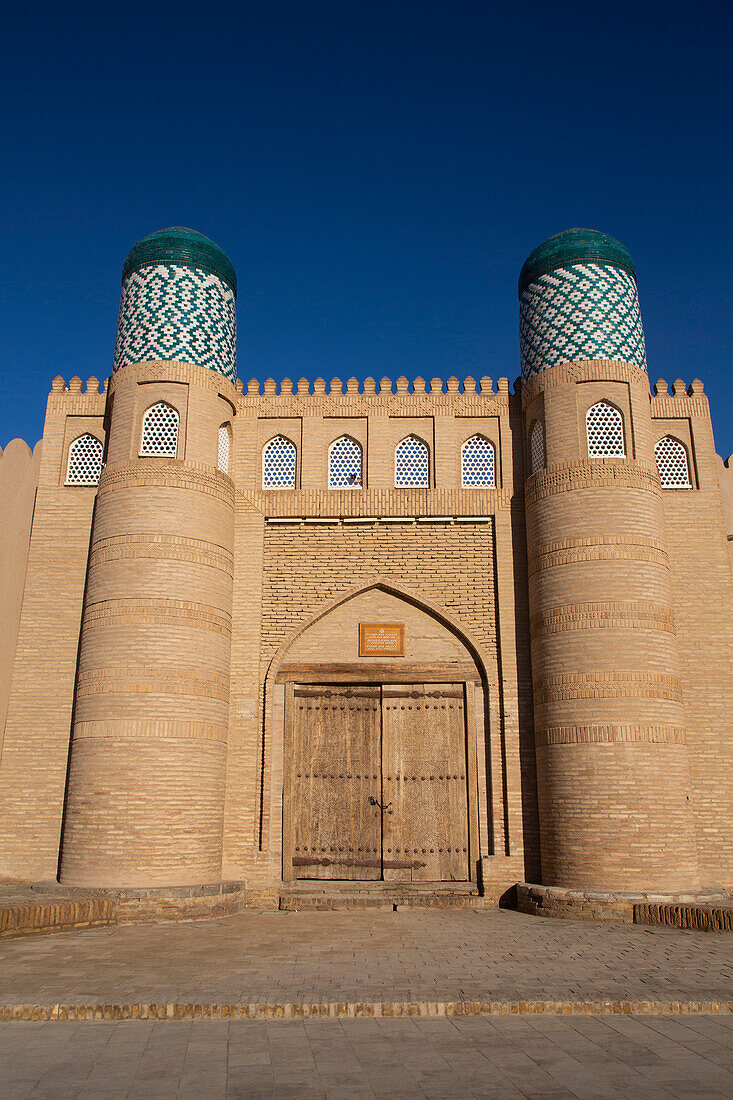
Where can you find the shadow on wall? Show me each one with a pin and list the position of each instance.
(18, 482)
(725, 476)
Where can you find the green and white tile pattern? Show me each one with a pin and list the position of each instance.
(175, 312)
(583, 311)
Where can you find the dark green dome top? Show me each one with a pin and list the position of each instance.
(182, 246)
(575, 246)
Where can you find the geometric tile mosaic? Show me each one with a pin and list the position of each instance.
(537, 447)
(583, 311)
(160, 431)
(85, 461)
(674, 469)
(223, 449)
(478, 465)
(171, 311)
(344, 464)
(278, 463)
(604, 426)
(412, 463)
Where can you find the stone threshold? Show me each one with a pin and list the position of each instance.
(376, 894)
(338, 1010)
(712, 912)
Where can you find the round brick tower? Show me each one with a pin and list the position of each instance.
(145, 796)
(612, 768)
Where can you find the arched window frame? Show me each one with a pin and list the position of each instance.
(149, 446)
(536, 447)
(274, 483)
(87, 468)
(345, 438)
(666, 481)
(224, 447)
(620, 425)
(489, 458)
(414, 439)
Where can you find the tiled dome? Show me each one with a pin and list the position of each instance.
(180, 245)
(575, 246)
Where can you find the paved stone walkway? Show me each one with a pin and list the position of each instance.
(498, 1058)
(409, 955)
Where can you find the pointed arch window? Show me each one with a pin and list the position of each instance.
(345, 464)
(537, 447)
(222, 458)
(412, 463)
(160, 431)
(85, 461)
(672, 463)
(604, 426)
(478, 463)
(278, 463)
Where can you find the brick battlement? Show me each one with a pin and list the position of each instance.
(683, 401)
(369, 387)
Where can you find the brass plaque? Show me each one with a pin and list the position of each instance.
(381, 639)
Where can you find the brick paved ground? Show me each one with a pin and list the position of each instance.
(497, 1058)
(410, 955)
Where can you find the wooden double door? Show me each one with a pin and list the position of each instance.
(378, 782)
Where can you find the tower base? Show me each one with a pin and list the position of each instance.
(708, 912)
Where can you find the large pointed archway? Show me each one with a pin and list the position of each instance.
(378, 751)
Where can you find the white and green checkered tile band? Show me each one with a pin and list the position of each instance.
(169, 311)
(585, 311)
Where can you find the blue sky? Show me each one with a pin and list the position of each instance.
(377, 173)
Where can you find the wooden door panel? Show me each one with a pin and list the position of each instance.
(424, 783)
(335, 769)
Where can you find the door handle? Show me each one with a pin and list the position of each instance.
(375, 802)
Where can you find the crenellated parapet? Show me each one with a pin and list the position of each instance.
(683, 401)
(385, 396)
(77, 399)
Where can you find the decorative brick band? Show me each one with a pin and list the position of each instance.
(378, 502)
(591, 473)
(378, 404)
(611, 734)
(607, 685)
(709, 919)
(603, 548)
(609, 614)
(178, 370)
(199, 616)
(145, 729)
(337, 1010)
(161, 548)
(679, 406)
(78, 404)
(582, 370)
(24, 919)
(141, 680)
(167, 473)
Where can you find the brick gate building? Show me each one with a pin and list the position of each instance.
(406, 637)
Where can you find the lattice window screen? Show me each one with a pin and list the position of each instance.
(478, 464)
(344, 464)
(537, 447)
(85, 461)
(223, 454)
(411, 463)
(674, 469)
(278, 464)
(160, 431)
(605, 427)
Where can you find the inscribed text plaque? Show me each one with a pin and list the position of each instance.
(381, 639)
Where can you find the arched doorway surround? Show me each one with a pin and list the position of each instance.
(333, 715)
